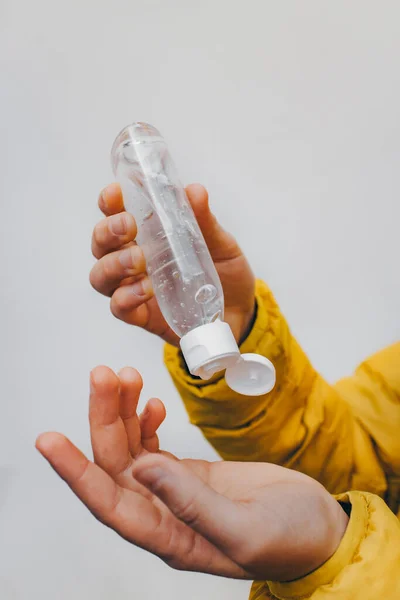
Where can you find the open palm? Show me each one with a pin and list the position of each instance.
(241, 520)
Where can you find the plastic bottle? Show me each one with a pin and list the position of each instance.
(185, 282)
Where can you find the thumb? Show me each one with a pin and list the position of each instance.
(190, 499)
(222, 245)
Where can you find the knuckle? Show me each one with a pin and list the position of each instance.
(120, 303)
(170, 553)
(188, 512)
(139, 259)
(138, 263)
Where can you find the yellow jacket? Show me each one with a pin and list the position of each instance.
(347, 436)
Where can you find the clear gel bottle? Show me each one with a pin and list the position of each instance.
(185, 281)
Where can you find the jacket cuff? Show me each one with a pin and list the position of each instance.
(343, 556)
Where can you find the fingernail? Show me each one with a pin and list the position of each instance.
(142, 287)
(126, 258)
(145, 414)
(132, 258)
(118, 225)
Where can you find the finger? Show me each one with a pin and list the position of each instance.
(131, 385)
(110, 200)
(93, 486)
(222, 245)
(150, 420)
(129, 513)
(108, 272)
(191, 500)
(141, 431)
(135, 304)
(112, 233)
(134, 517)
(128, 302)
(108, 434)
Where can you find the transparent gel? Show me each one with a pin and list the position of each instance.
(184, 279)
(183, 275)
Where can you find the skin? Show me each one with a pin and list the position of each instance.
(120, 270)
(240, 520)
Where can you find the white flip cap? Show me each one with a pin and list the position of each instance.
(253, 375)
(212, 348)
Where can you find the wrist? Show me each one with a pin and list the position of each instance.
(336, 522)
(326, 532)
(346, 556)
(248, 323)
(341, 525)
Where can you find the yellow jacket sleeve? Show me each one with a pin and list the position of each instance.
(366, 565)
(346, 436)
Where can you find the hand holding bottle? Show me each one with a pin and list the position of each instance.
(120, 271)
(240, 520)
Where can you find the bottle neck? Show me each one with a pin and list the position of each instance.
(209, 349)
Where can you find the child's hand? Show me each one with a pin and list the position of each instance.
(121, 271)
(242, 520)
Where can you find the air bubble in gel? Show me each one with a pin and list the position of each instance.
(183, 275)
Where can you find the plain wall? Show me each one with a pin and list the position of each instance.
(289, 113)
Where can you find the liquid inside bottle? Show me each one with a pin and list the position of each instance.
(183, 275)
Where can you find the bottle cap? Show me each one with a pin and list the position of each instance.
(212, 348)
(209, 349)
(253, 375)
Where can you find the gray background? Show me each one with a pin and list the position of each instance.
(289, 113)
